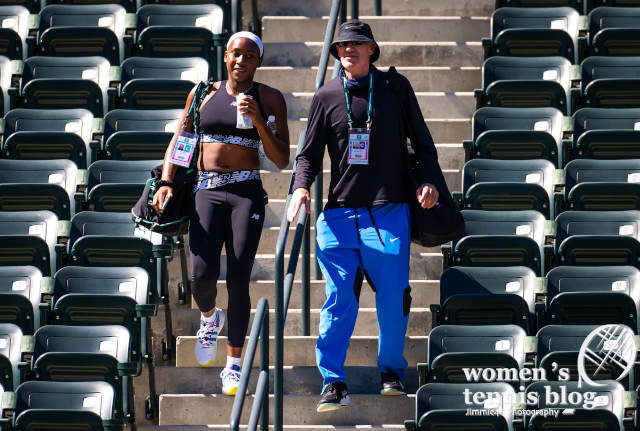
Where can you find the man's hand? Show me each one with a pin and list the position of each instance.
(300, 196)
(159, 198)
(427, 195)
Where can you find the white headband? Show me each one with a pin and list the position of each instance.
(248, 35)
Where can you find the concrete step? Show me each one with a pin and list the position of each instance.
(186, 322)
(225, 427)
(423, 292)
(442, 130)
(392, 54)
(450, 156)
(277, 183)
(448, 105)
(411, 28)
(297, 79)
(300, 380)
(318, 8)
(300, 352)
(298, 409)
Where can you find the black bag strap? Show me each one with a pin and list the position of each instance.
(199, 94)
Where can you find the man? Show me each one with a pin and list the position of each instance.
(364, 228)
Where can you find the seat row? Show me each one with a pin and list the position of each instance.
(35, 6)
(582, 6)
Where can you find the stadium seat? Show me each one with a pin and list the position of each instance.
(508, 185)
(139, 134)
(454, 347)
(10, 355)
(499, 238)
(83, 30)
(21, 294)
(487, 296)
(596, 295)
(516, 133)
(609, 82)
(602, 185)
(525, 82)
(65, 405)
(116, 185)
(164, 30)
(29, 238)
(87, 353)
(576, 4)
(533, 32)
(160, 83)
(614, 31)
(29, 185)
(14, 31)
(613, 3)
(45, 134)
(62, 82)
(443, 406)
(606, 412)
(606, 133)
(591, 238)
(129, 5)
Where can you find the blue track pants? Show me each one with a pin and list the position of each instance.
(349, 246)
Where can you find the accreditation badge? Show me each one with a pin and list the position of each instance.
(358, 147)
(184, 149)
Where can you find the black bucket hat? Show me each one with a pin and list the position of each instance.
(355, 31)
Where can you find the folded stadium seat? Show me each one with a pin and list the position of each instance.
(602, 185)
(609, 82)
(83, 30)
(606, 133)
(22, 294)
(88, 353)
(605, 412)
(525, 82)
(160, 83)
(194, 30)
(533, 32)
(45, 134)
(116, 185)
(576, 4)
(508, 185)
(14, 20)
(28, 185)
(442, 406)
(614, 31)
(139, 134)
(499, 238)
(65, 405)
(591, 238)
(10, 355)
(31, 238)
(487, 296)
(516, 133)
(63, 82)
(8, 94)
(454, 347)
(129, 5)
(108, 239)
(596, 295)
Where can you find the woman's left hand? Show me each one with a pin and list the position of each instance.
(249, 107)
(427, 195)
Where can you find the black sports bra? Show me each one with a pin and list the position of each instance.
(218, 119)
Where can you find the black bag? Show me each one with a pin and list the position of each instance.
(174, 219)
(441, 223)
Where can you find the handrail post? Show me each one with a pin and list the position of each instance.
(306, 277)
(377, 7)
(236, 16)
(354, 9)
(264, 366)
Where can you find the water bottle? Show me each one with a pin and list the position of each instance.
(242, 120)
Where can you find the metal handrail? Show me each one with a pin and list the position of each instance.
(260, 407)
(302, 238)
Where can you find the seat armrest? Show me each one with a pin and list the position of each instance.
(422, 373)
(467, 144)
(583, 48)
(145, 310)
(575, 96)
(129, 369)
(436, 311)
(479, 95)
(62, 255)
(486, 47)
(446, 256)
(410, 425)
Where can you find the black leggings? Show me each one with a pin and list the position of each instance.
(232, 214)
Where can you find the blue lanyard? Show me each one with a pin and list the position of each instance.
(348, 102)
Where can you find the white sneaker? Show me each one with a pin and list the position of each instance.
(207, 342)
(230, 380)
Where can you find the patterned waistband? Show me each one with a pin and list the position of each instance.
(213, 180)
(230, 139)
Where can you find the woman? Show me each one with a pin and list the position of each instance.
(228, 205)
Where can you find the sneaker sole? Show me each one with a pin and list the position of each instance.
(391, 392)
(231, 391)
(328, 407)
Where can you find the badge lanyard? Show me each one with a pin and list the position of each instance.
(348, 102)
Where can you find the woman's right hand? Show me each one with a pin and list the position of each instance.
(164, 193)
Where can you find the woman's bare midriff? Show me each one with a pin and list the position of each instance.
(221, 157)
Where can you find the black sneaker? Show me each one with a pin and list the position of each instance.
(391, 384)
(334, 397)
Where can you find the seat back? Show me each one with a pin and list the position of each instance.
(29, 238)
(593, 171)
(207, 16)
(20, 296)
(76, 121)
(615, 31)
(117, 185)
(10, 355)
(15, 29)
